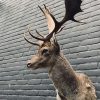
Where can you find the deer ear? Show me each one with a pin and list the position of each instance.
(56, 46)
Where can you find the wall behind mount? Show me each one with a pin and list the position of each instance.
(79, 42)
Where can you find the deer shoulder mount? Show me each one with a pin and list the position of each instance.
(69, 85)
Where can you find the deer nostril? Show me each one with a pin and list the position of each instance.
(29, 65)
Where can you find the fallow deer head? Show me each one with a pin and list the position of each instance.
(47, 52)
(49, 48)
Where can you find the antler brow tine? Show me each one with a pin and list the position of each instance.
(30, 41)
(42, 39)
(39, 34)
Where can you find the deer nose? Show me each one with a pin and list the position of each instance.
(29, 64)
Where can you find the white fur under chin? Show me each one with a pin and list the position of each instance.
(57, 96)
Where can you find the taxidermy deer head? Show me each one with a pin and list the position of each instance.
(49, 49)
(47, 52)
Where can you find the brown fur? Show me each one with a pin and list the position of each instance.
(69, 84)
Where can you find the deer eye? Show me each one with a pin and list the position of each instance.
(45, 52)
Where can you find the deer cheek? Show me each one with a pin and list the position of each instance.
(43, 62)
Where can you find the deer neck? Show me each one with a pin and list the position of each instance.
(63, 76)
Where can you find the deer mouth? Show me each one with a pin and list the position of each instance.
(29, 65)
(32, 66)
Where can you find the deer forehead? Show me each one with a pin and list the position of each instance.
(46, 45)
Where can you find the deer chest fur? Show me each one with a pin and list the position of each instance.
(66, 84)
(71, 85)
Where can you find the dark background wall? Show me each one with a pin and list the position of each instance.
(79, 42)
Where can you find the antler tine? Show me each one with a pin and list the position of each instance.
(42, 39)
(46, 7)
(41, 9)
(61, 29)
(30, 41)
(39, 34)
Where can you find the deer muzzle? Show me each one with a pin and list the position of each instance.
(29, 64)
(33, 62)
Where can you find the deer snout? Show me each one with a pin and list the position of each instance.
(33, 63)
(29, 64)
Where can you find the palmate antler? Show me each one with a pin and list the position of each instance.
(72, 7)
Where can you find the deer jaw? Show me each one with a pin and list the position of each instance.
(46, 56)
